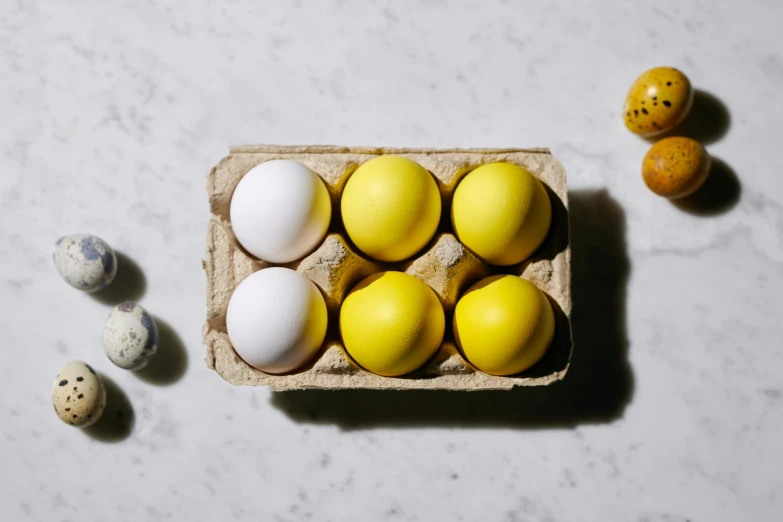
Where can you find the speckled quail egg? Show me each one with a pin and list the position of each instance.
(85, 262)
(676, 167)
(78, 394)
(657, 101)
(130, 336)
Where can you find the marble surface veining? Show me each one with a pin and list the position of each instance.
(112, 114)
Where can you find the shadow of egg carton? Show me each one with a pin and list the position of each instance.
(336, 266)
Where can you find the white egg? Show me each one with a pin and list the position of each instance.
(276, 320)
(280, 211)
(85, 262)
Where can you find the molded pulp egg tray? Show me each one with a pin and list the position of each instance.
(336, 266)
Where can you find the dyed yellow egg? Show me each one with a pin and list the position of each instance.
(676, 167)
(391, 208)
(391, 323)
(657, 101)
(501, 212)
(504, 324)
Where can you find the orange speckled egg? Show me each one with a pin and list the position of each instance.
(657, 101)
(675, 167)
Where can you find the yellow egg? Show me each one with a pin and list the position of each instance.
(504, 324)
(676, 167)
(390, 208)
(501, 212)
(657, 101)
(391, 323)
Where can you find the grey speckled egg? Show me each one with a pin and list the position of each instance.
(130, 336)
(85, 262)
(78, 394)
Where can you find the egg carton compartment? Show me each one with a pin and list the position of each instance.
(336, 266)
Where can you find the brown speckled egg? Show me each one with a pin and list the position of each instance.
(78, 394)
(657, 101)
(675, 167)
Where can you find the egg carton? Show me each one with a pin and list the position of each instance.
(337, 265)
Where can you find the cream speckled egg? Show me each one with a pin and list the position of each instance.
(85, 262)
(78, 394)
(130, 336)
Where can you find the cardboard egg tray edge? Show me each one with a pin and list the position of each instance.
(335, 267)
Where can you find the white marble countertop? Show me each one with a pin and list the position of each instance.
(113, 113)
